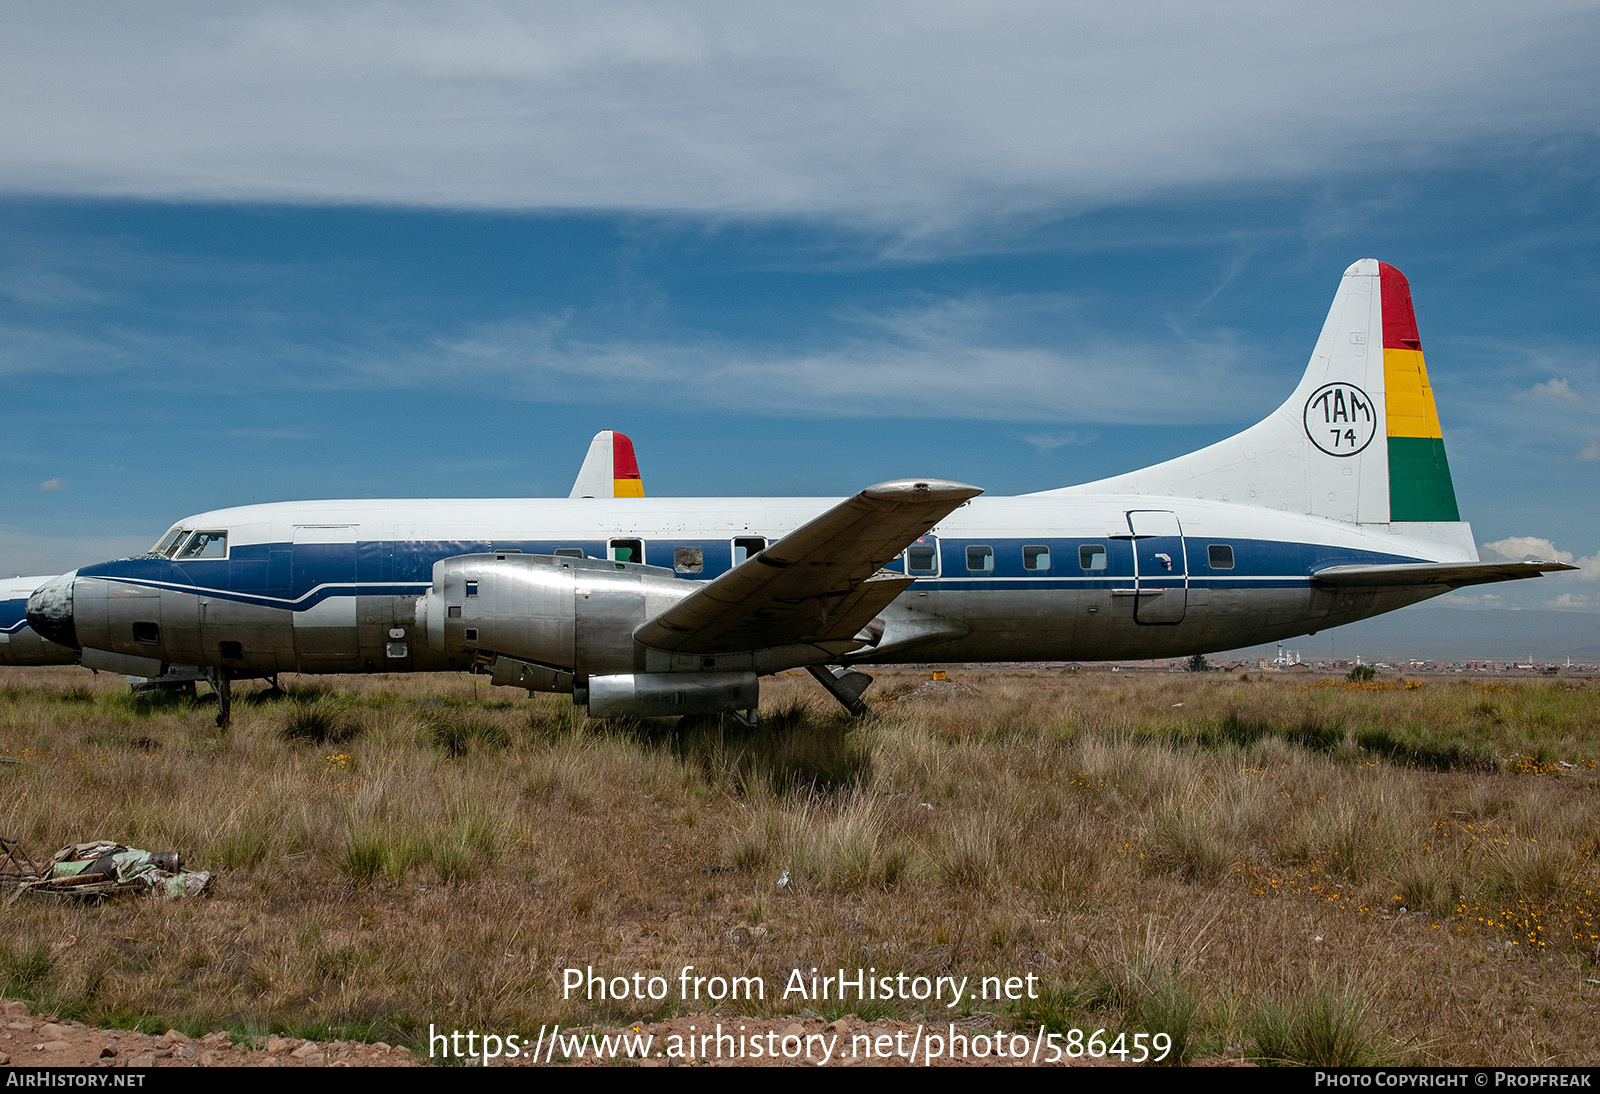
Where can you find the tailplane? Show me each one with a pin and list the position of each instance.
(1358, 441)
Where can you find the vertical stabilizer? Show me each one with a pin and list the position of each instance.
(1359, 439)
(610, 470)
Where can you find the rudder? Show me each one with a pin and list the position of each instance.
(1419, 475)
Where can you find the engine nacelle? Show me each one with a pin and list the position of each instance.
(553, 623)
(671, 694)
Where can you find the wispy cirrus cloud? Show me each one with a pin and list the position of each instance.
(920, 116)
(1049, 442)
(1017, 357)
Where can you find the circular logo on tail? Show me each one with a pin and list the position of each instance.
(1340, 419)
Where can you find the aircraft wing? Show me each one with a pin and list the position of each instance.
(821, 582)
(1451, 574)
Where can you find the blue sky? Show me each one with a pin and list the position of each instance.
(259, 252)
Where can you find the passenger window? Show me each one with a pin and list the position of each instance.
(627, 550)
(922, 559)
(1036, 558)
(472, 588)
(688, 560)
(980, 559)
(745, 546)
(1092, 556)
(205, 545)
(569, 552)
(1220, 556)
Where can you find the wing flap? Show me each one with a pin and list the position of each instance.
(1452, 575)
(822, 582)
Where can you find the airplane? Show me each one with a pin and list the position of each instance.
(610, 469)
(19, 645)
(1336, 507)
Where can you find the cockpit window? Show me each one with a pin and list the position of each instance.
(205, 545)
(169, 541)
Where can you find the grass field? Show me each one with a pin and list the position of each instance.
(1277, 868)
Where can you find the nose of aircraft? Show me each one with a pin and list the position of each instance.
(50, 611)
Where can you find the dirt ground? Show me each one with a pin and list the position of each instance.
(30, 1040)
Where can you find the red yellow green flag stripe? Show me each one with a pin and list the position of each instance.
(1419, 476)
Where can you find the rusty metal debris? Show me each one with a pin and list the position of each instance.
(15, 863)
(102, 868)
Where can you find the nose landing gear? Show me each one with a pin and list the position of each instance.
(221, 681)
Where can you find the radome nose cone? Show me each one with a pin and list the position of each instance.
(50, 611)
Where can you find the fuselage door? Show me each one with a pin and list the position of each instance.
(1161, 575)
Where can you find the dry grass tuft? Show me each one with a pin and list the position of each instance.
(323, 720)
(1320, 1027)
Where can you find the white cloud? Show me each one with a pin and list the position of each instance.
(1588, 568)
(1554, 388)
(1573, 602)
(910, 114)
(1590, 453)
(54, 484)
(1569, 590)
(1518, 548)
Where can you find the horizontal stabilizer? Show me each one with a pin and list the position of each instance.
(1453, 575)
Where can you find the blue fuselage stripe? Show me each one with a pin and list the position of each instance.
(13, 615)
(298, 576)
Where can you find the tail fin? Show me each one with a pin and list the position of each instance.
(1359, 439)
(609, 470)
